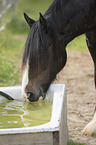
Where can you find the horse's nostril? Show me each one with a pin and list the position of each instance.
(31, 97)
(29, 94)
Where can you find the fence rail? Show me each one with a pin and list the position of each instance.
(6, 11)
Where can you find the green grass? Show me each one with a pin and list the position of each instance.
(10, 59)
(32, 7)
(9, 73)
(11, 48)
(70, 142)
(78, 44)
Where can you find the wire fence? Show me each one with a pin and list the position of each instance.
(7, 8)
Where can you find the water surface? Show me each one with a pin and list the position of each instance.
(14, 114)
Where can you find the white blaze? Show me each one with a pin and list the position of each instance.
(25, 80)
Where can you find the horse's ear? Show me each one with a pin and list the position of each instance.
(28, 20)
(43, 21)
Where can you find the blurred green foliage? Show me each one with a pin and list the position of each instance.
(78, 44)
(70, 142)
(32, 8)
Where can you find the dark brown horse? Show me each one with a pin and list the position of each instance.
(45, 50)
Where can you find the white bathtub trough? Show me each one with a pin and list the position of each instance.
(55, 132)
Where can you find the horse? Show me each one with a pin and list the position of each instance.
(45, 49)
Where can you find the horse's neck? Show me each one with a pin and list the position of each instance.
(72, 17)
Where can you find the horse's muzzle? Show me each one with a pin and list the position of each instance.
(33, 98)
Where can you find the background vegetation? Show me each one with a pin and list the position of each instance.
(12, 42)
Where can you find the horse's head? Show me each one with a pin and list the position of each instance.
(44, 57)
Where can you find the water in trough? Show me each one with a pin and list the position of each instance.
(15, 114)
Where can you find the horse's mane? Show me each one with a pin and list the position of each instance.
(36, 49)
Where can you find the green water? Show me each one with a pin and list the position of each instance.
(14, 114)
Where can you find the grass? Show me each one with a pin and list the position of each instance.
(32, 8)
(11, 47)
(70, 142)
(10, 60)
(9, 72)
(78, 44)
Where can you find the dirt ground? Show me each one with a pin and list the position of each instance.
(78, 76)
